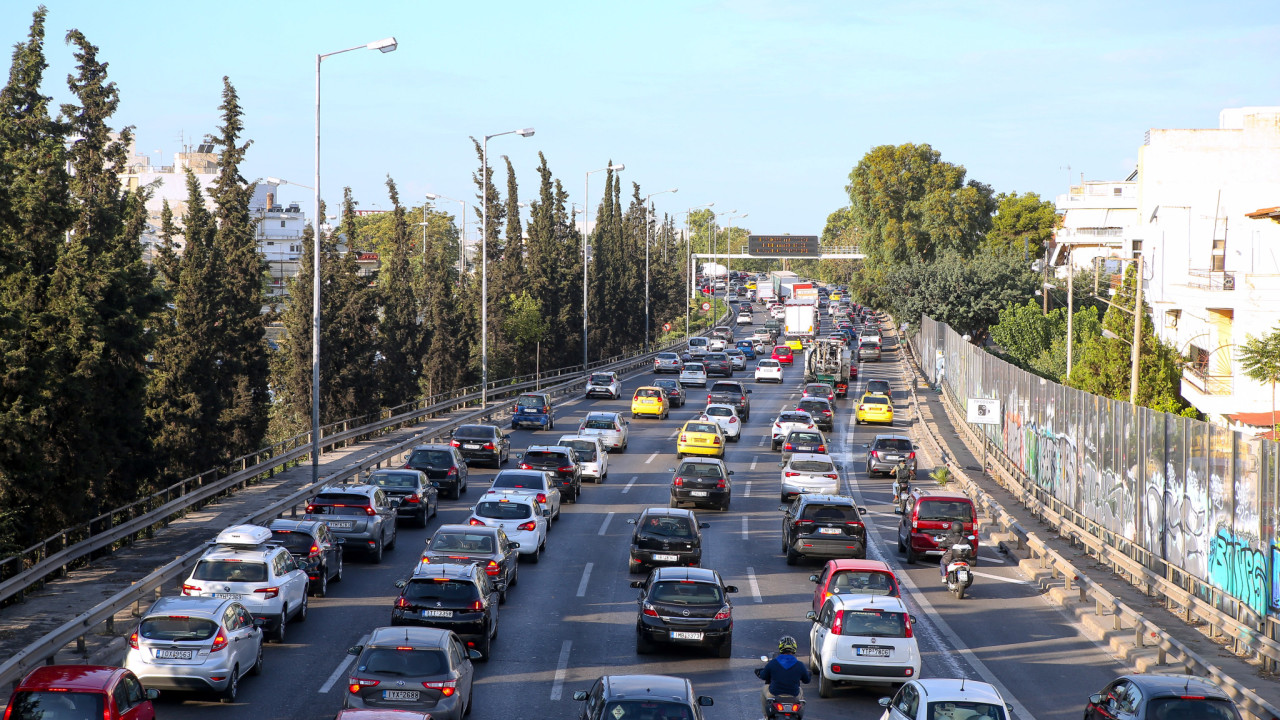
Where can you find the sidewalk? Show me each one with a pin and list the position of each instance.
(937, 420)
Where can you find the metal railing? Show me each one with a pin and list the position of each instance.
(1215, 280)
(1208, 384)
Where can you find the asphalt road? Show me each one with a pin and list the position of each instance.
(572, 617)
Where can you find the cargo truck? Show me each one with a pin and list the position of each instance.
(800, 321)
(829, 362)
(805, 291)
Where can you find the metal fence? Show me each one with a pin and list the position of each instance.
(1191, 501)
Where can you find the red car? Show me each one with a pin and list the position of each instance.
(854, 577)
(783, 354)
(81, 691)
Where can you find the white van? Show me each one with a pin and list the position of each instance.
(698, 347)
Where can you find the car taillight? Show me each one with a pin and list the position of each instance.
(133, 640)
(650, 611)
(733, 420)
(720, 484)
(910, 631)
(679, 481)
(804, 522)
(837, 625)
(778, 425)
(452, 471)
(446, 688)
(911, 455)
(541, 497)
(822, 448)
(413, 499)
(791, 474)
(368, 510)
(219, 641)
(875, 454)
(683, 438)
(488, 446)
(402, 603)
(788, 447)
(356, 684)
(188, 589)
(565, 469)
(405, 467)
(527, 526)
(715, 440)
(833, 476)
(314, 549)
(811, 426)
(492, 567)
(525, 466)
(475, 521)
(724, 613)
(478, 605)
(311, 509)
(862, 407)
(268, 592)
(455, 443)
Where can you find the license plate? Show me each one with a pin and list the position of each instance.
(471, 447)
(340, 524)
(664, 558)
(805, 448)
(699, 493)
(399, 694)
(962, 575)
(892, 457)
(873, 651)
(174, 654)
(228, 596)
(829, 531)
(437, 613)
(678, 635)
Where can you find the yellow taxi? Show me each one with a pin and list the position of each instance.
(700, 437)
(835, 297)
(752, 285)
(650, 400)
(794, 344)
(873, 408)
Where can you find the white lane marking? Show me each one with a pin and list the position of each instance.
(604, 526)
(754, 460)
(651, 457)
(673, 435)
(761, 443)
(342, 668)
(628, 487)
(562, 667)
(755, 586)
(989, 576)
(994, 559)
(747, 492)
(744, 527)
(586, 575)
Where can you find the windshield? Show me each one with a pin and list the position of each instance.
(768, 364)
(855, 582)
(294, 542)
(875, 400)
(686, 592)
(601, 378)
(544, 457)
(403, 662)
(518, 480)
(815, 406)
(177, 628)
(532, 401)
(795, 418)
(479, 432)
(697, 341)
(830, 513)
(700, 470)
(720, 411)
(894, 445)
(646, 710)
(462, 542)
(804, 438)
(583, 450)
(945, 510)
(812, 466)
(874, 623)
(666, 526)
(649, 393)
(669, 385)
(693, 367)
(503, 510)
(440, 589)
(394, 479)
(962, 710)
(699, 427)
(1176, 708)
(599, 424)
(53, 705)
(434, 459)
(230, 571)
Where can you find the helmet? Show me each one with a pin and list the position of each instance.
(957, 528)
(787, 644)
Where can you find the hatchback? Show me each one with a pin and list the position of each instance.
(684, 606)
(768, 370)
(809, 473)
(803, 441)
(534, 409)
(418, 496)
(675, 392)
(665, 536)
(748, 349)
(873, 409)
(483, 443)
(362, 515)
(699, 437)
(726, 416)
(868, 350)
(783, 354)
(926, 524)
(701, 482)
(604, 384)
(558, 462)
(693, 374)
(419, 669)
(853, 577)
(443, 465)
(591, 455)
(860, 640)
(1160, 697)
(879, 387)
(641, 696)
(81, 691)
(198, 644)
(718, 363)
(820, 410)
(542, 485)
(650, 400)
(667, 362)
(950, 697)
(520, 518)
(610, 427)
(886, 451)
(819, 390)
(745, 317)
(316, 551)
(486, 545)
(787, 421)
(457, 597)
(827, 526)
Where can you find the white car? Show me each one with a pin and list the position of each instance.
(520, 516)
(769, 370)
(715, 344)
(694, 374)
(809, 473)
(612, 429)
(245, 565)
(195, 643)
(697, 347)
(604, 384)
(745, 318)
(591, 455)
(726, 416)
(787, 421)
(869, 638)
(934, 697)
(737, 358)
(777, 312)
(538, 484)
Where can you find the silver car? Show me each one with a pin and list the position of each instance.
(809, 473)
(667, 362)
(590, 453)
(421, 669)
(610, 427)
(196, 644)
(737, 358)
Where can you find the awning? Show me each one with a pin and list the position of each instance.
(1085, 218)
(1257, 419)
(1271, 213)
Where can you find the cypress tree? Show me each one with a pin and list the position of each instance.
(493, 249)
(350, 328)
(440, 300)
(399, 333)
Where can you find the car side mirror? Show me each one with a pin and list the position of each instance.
(401, 583)
(580, 695)
(671, 469)
(1009, 706)
(152, 693)
(706, 700)
(811, 615)
(632, 521)
(913, 618)
(730, 472)
(731, 588)
(782, 464)
(862, 511)
(1094, 699)
(813, 578)
(704, 526)
(782, 508)
(638, 584)
(884, 702)
(514, 545)
(355, 649)
(546, 512)
(259, 622)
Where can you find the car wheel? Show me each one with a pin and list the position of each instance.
(395, 535)
(911, 553)
(535, 556)
(825, 690)
(467, 711)
(644, 646)
(233, 686)
(422, 517)
(550, 426)
(377, 553)
(792, 556)
(257, 663)
(302, 611)
(726, 648)
(484, 646)
(337, 577)
(322, 587)
(282, 631)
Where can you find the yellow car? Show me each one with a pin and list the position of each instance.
(650, 400)
(752, 285)
(873, 408)
(700, 437)
(794, 344)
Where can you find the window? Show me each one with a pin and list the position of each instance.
(1171, 318)
(282, 223)
(908, 701)
(1117, 191)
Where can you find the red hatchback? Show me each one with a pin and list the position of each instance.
(783, 354)
(854, 577)
(80, 691)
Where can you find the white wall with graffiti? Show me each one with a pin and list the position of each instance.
(1187, 498)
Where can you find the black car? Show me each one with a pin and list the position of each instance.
(879, 386)
(684, 606)
(418, 496)
(443, 465)
(641, 696)
(820, 410)
(457, 597)
(675, 392)
(481, 544)
(1159, 697)
(561, 463)
(665, 536)
(701, 482)
(486, 443)
(823, 526)
(804, 441)
(718, 363)
(314, 548)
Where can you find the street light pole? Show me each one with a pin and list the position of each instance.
(647, 212)
(586, 220)
(484, 262)
(384, 45)
(1137, 335)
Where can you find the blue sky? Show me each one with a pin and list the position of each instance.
(763, 107)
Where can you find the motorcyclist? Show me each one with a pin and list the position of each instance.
(953, 538)
(901, 482)
(783, 674)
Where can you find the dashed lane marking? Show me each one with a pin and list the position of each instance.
(754, 460)
(562, 668)
(755, 586)
(747, 492)
(629, 484)
(651, 457)
(341, 669)
(604, 526)
(586, 575)
(744, 527)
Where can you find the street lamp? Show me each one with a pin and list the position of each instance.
(484, 262)
(462, 242)
(385, 45)
(586, 203)
(646, 261)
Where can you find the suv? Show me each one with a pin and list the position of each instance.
(827, 526)
(1160, 696)
(534, 409)
(482, 442)
(481, 544)
(604, 384)
(609, 427)
(362, 515)
(590, 454)
(82, 691)
(418, 496)
(684, 606)
(718, 363)
(195, 643)
(886, 451)
(560, 463)
(820, 410)
(246, 566)
(443, 465)
(618, 696)
(450, 596)
(665, 536)
(314, 548)
(666, 362)
(701, 481)
(433, 664)
(731, 392)
(925, 527)
(860, 640)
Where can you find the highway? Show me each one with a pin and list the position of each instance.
(572, 617)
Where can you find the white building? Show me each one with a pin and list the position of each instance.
(1099, 220)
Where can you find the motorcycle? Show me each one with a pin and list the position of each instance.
(959, 573)
(782, 707)
(901, 492)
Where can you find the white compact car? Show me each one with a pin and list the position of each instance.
(195, 643)
(769, 370)
(694, 374)
(604, 384)
(591, 455)
(715, 344)
(538, 484)
(868, 638)
(949, 697)
(519, 515)
(809, 473)
(737, 358)
(745, 317)
(726, 416)
(787, 421)
(612, 429)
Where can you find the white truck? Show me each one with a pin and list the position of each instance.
(764, 292)
(800, 320)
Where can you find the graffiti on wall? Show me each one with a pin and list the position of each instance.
(1240, 570)
(1275, 578)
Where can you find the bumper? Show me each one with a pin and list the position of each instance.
(791, 487)
(600, 392)
(540, 420)
(693, 381)
(709, 451)
(858, 672)
(682, 557)
(714, 633)
(481, 455)
(654, 410)
(450, 707)
(876, 418)
(666, 368)
(886, 466)
(466, 630)
(838, 547)
(771, 377)
(591, 470)
(409, 510)
(180, 679)
(708, 496)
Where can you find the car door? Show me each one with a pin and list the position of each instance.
(293, 579)
(502, 443)
(553, 495)
(461, 661)
(254, 634)
(328, 550)
(386, 516)
(130, 700)
(819, 630)
(460, 463)
(1114, 700)
(820, 589)
(510, 555)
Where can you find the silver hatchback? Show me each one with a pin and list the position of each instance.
(610, 427)
(421, 669)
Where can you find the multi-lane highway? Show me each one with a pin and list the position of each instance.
(572, 616)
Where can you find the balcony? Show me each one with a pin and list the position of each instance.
(1212, 280)
(1198, 378)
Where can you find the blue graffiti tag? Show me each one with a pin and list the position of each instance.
(1240, 570)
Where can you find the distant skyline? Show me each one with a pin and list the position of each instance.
(763, 107)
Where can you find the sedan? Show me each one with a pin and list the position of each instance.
(684, 606)
(768, 370)
(694, 373)
(520, 517)
(726, 416)
(809, 473)
(675, 392)
(873, 409)
(787, 421)
(418, 669)
(418, 496)
(718, 363)
(1156, 697)
(748, 348)
(783, 354)
(485, 546)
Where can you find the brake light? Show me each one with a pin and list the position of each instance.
(907, 619)
(788, 447)
(822, 448)
(188, 589)
(862, 407)
(911, 455)
(455, 443)
(715, 440)
(219, 641)
(683, 438)
(733, 420)
(525, 466)
(268, 592)
(475, 521)
(1188, 697)
(402, 603)
(368, 510)
(837, 625)
(724, 613)
(314, 549)
(791, 474)
(650, 611)
(478, 605)
(678, 481)
(526, 526)
(565, 469)
(355, 684)
(133, 640)
(413, 499)
(804, 522)
(446, 688)
(777, 425)
(452, 471)
(541, 497)
(311, 509)
(833, 476)
(720, 484)
(875, 454)
(492, 568)
(405, 467)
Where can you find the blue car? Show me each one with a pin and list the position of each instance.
(534, 409)
(747, 349)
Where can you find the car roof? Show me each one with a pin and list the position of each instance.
(1176, 684)
(703, 461)
(433, 446)
(810, 456)
(959, 689)
(654, 686)
(857, 602)
(406, 635)
(206, 607)
(931, 494)
(447, 570)
(308, 526)
(459, 527)
(669, 512)
(698, 574)
(71, 677)
(860, 565)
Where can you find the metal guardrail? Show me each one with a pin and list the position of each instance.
(1104, 601)
(44, 650)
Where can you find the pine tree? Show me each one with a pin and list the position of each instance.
(167, 260)
(399, 333)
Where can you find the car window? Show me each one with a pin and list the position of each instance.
(519, 481)
(479, 432)
(945, 510)
(133, 688)
(403, 663)
(434, 459)
(686, 592)
(601, 378)
(441, 589)
(649, 393)
(533, 401)
(668, 384)
(875, 400)
(545, 456)
(599, 424)
(462, 542)
(830, 513)
(700, 470)
(668, 526)
(393, 479)
(298, 542)
(795, 418)
(965, 710)
(1189, 708)
(814, 466)
(504, 510)
(719, 411)
(583, 450)
(874, 623)
(701, 427)
(799, 436)
(894, 445)
(163, 627)
(646, 709)
(878, 386)
(859, 582)
(120, 694)
(230, 571)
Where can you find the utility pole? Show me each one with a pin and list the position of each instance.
(1137, 336)
(1071, 308)
(1044, 283)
